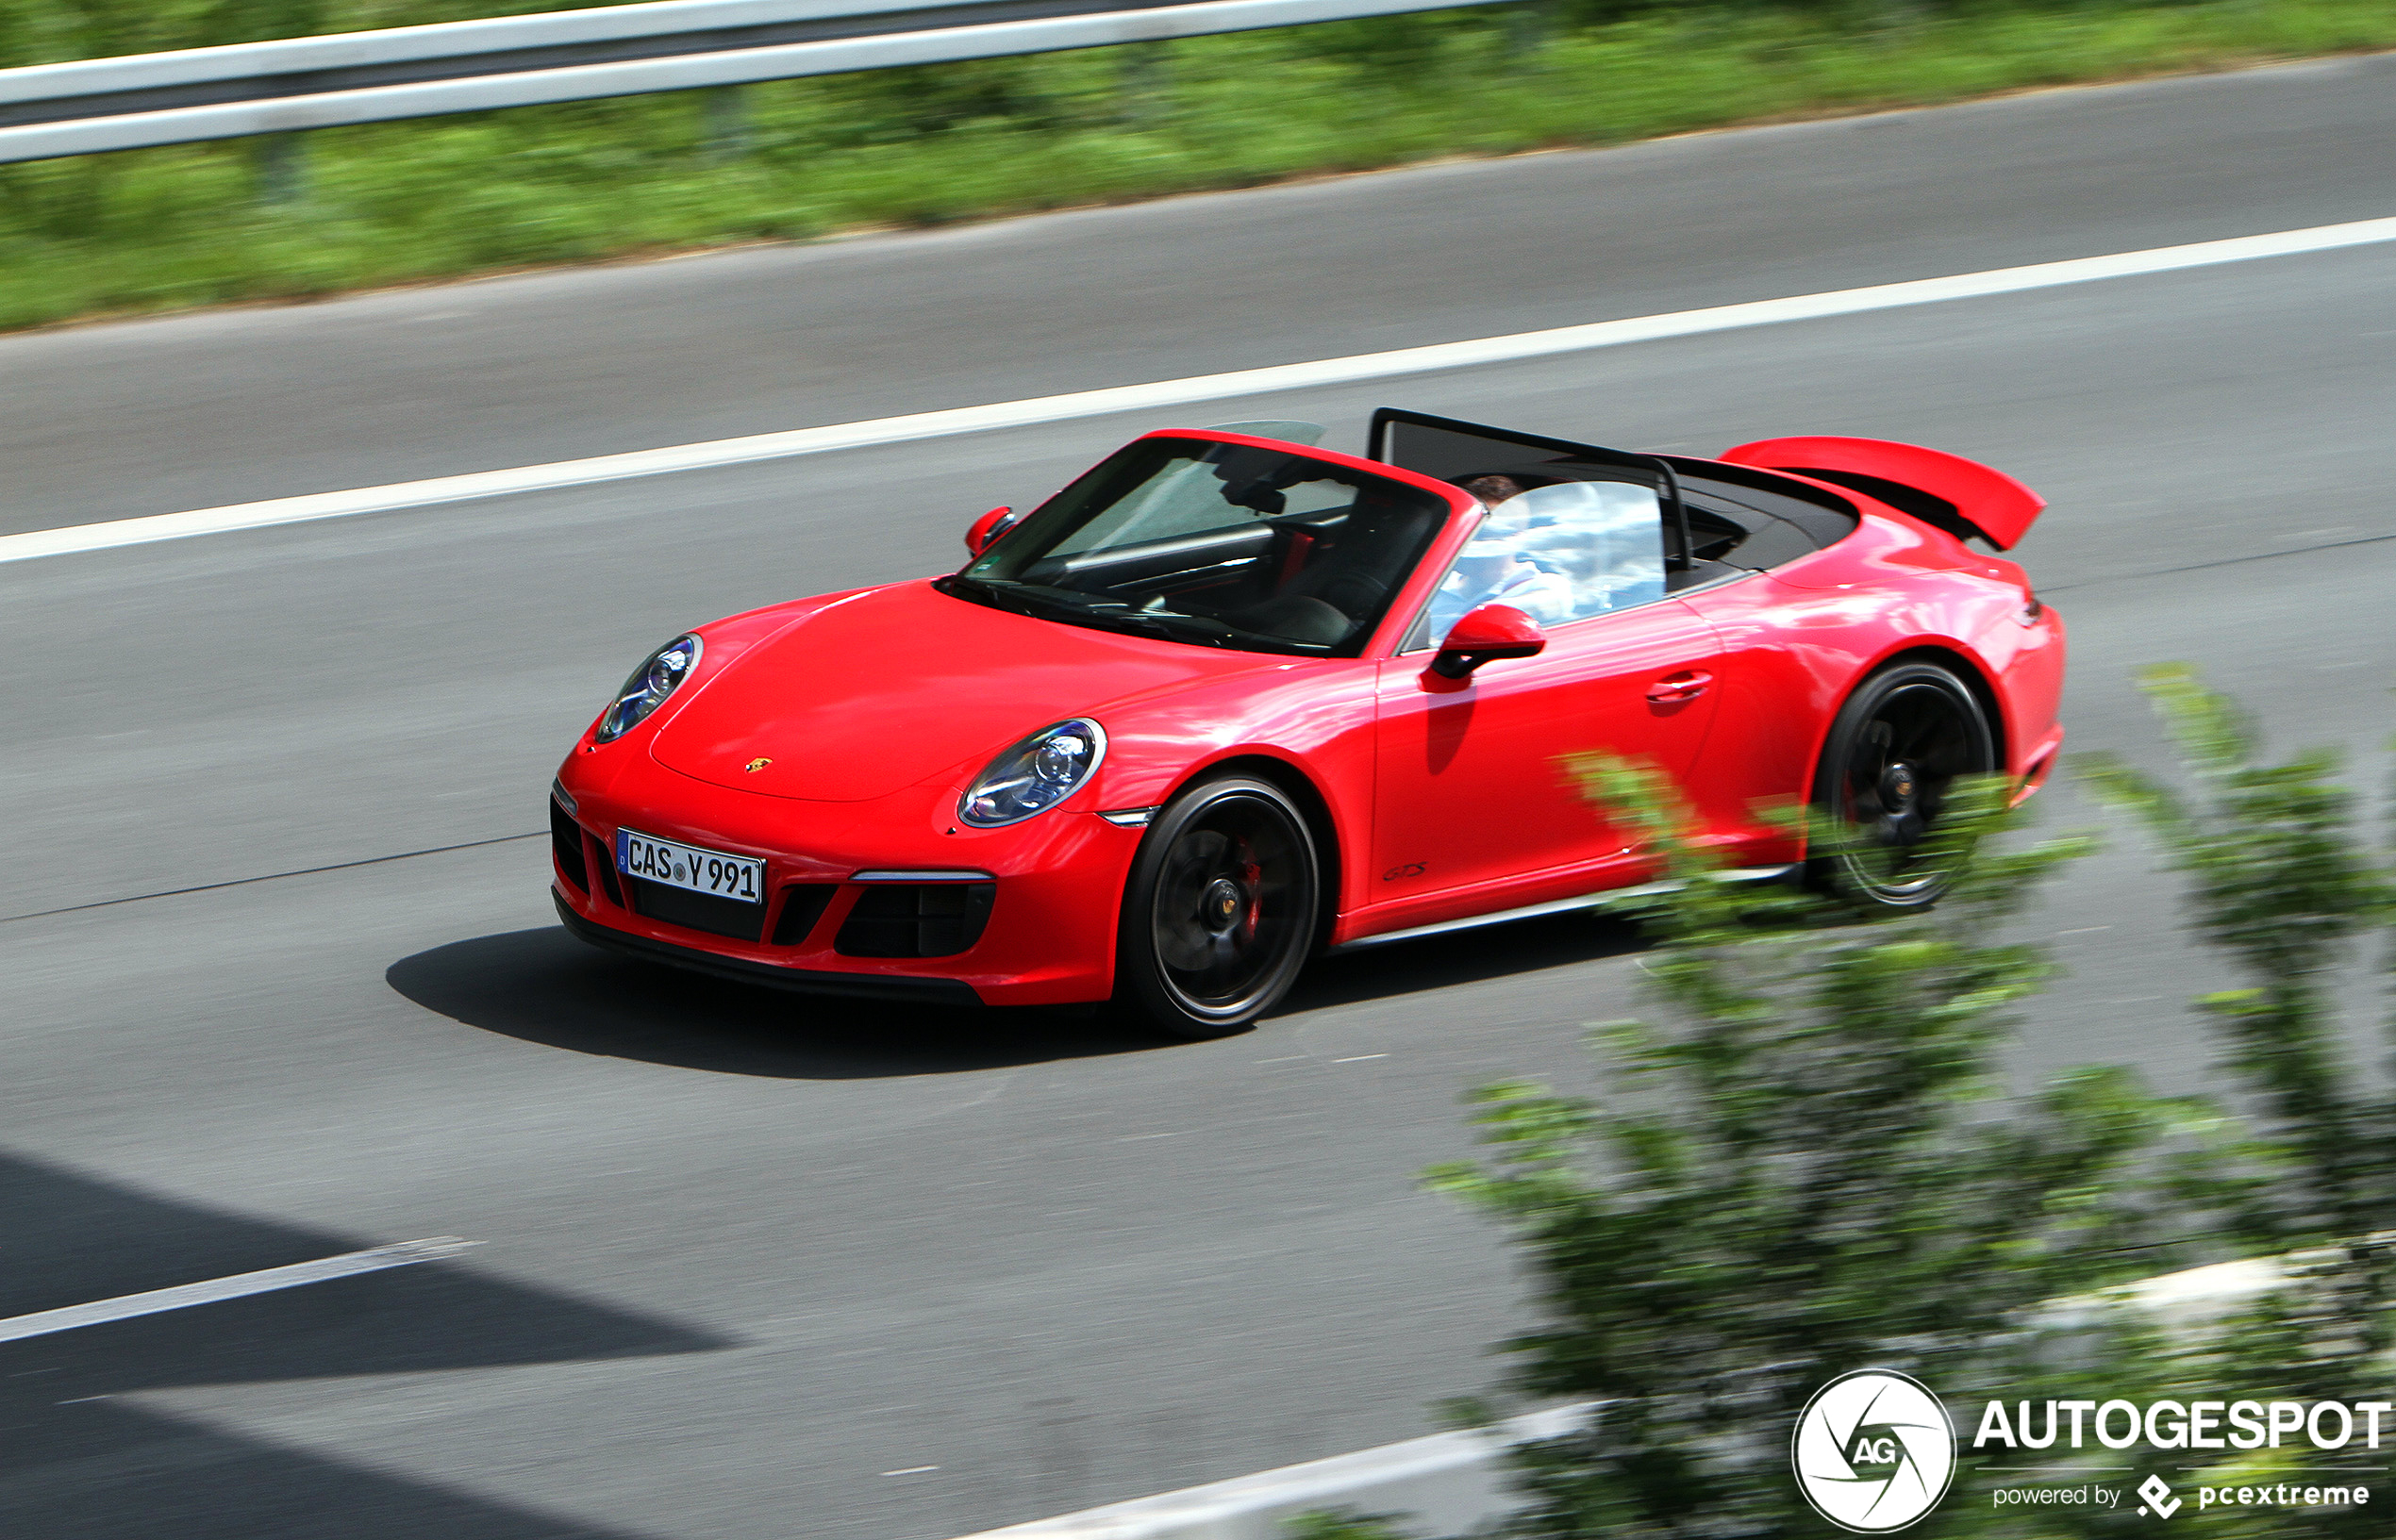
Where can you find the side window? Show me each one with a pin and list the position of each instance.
(1560, 554)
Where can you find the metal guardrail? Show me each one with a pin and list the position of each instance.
(87, 106)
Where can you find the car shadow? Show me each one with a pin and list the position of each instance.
(1471, 956)
(543, 986)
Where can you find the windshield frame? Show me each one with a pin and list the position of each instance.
(1406, 597)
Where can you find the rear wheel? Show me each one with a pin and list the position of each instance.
(1219, 911)
(1897, 749)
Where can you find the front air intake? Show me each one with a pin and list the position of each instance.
(607, 869)
(803, 904)
(565, 842)
(916, 919)
(695, 911)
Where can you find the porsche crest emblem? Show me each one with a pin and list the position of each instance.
(756, 765)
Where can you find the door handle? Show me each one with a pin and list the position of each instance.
(1686, 685)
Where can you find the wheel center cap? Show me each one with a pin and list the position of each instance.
(1897, 786)
(1223, 902)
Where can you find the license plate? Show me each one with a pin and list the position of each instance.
(712, 872)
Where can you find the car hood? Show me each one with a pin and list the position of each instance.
(871, 694)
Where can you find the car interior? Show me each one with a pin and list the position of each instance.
(1250, 547)
(1243, 546)
(1737, 520)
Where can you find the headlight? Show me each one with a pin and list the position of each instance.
(649, 686)
(1034, 775)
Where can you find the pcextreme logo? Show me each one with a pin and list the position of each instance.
(1873, 1451)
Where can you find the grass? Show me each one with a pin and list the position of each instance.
(387, 203)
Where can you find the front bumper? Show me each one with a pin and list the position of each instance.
(885, 988)
(1046, 917)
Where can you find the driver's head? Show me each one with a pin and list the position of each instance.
(1492, 489)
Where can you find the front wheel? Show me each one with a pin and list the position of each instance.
(1219, 911)
(1897, 749)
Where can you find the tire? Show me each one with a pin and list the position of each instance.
(1896, 748)
(1219, 911)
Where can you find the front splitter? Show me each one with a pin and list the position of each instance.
(953, 993)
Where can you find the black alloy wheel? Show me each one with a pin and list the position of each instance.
(1899, 745)
(1220, 912)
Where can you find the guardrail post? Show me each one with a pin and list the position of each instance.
(1528, 27)
(726, 122)
(1142, 83)
(280, 162)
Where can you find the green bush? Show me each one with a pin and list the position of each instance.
(1809, 1168)
(2285, 880)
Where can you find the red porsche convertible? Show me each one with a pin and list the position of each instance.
(1230, 698)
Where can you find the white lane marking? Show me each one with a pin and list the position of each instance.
(1361, 1058)
(1181, 392)
(264, 1281)
(1459, 1481)
(1452, 1481)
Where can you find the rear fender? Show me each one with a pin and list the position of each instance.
(1947, 491)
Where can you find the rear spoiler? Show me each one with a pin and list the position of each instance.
(1962, 497)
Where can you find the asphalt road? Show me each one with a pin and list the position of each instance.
(742, 1260)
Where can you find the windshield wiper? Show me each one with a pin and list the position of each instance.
(1114, 617)
(1116, 614)
(1021, 599)
(1014, 598)
(973, 589)
(1172, 622)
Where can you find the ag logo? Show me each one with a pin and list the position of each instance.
(1873, 1451)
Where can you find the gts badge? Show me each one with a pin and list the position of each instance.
(1412, 869)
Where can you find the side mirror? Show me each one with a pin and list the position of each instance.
(1485, 634)
(988, 527)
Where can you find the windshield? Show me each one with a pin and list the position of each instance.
(1226, 545)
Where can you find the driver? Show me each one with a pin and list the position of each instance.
(1494, 567)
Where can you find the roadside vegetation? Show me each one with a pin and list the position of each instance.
(1808, 1162)
(395, 203)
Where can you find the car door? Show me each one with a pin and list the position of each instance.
(1469, 787)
